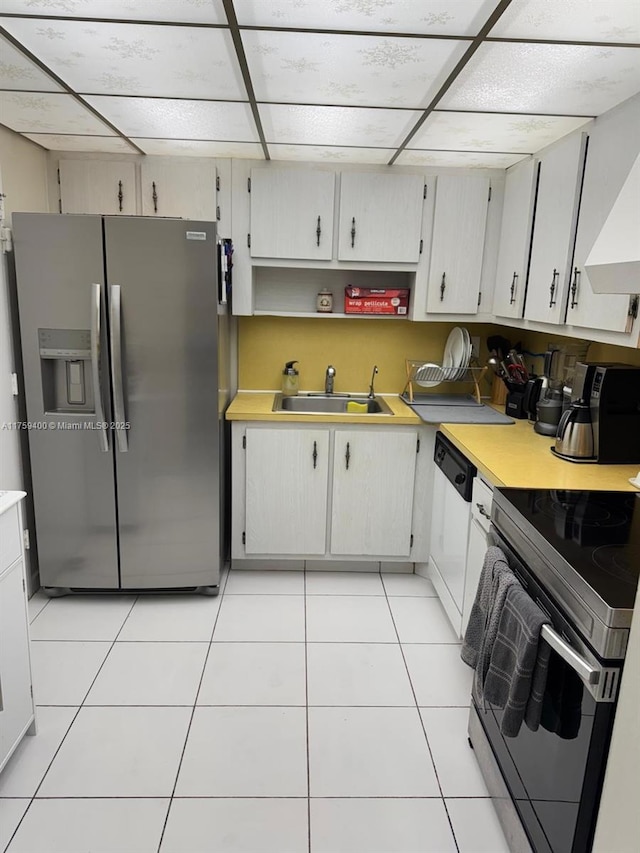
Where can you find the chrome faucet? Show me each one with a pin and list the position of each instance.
(328, 380)
(371, 394)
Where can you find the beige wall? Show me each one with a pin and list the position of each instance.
(24, 174)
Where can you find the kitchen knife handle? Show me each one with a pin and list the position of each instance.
(96, 317)
(119, 416)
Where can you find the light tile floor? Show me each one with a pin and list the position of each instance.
(295, 713)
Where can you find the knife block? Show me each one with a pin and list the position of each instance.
(498, 391)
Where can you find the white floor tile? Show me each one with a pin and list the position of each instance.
(11, 811)
(380, 826)
(357, 674)
(245, 752)
(119, 752)
(476, 826)
(82, 617)
(36, 603)
(150, 674)
(24, 771)
(172, 617)
(265, 581)
(408, 585)
(438, 675)
(63, 671)
(236, 826)
(369, 752)
(254, 674)
(455, 761)
(101, 826)
(344, 583)
(276, 618)
(421, 620)
(349, 619)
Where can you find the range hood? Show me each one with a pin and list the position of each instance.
(613, 265)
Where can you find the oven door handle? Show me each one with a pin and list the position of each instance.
(589, 674)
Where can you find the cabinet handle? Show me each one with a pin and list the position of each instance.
(552, 288)
(353, 232)
(315, 453)
(120, 196)
(154, 196)
(514, 281)
(483, 511)
(318, 232)
(443, 285)
(574, 287)
(632, 313)
(347, 457)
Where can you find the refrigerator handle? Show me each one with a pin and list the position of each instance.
(96, 315)
(122, 438)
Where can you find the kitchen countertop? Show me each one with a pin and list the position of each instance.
(258, 405)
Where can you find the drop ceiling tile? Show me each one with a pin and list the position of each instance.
(575, 20)
(189, 11)
(523, 134)
(349, 70)
(169, 119)
(133, 59)
(48, 113)
(196, 148)
(545, 78)
(459, 159)
(434, 17)
(18, 72)
(107, 144)
(342, 126)
(331, 154)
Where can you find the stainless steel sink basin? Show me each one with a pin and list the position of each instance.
(329, 404)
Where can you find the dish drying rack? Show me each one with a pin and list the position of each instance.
(429, 372)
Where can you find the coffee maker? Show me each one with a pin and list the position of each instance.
(559, 367)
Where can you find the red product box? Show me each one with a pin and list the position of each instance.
(376, 300)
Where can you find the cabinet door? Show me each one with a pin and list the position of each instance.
(614, 144)
(561, 171)
(286, 491)
(476, 551)
(457, 245)
(292, 214)
(373, 483)
(186, 189)
(97, 186)
(380, 217)
(515, 239)
(16, 704)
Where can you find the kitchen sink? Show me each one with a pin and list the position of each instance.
(329, 404)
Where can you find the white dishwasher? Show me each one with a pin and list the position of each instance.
(450, 517)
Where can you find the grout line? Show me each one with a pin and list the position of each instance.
(306, 695)
(44, 607)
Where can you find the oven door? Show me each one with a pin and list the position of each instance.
(554, 775)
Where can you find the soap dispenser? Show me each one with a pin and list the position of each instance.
(289, 380)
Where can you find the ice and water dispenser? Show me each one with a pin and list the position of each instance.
(65, 361)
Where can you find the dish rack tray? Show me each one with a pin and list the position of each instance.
(422, 373)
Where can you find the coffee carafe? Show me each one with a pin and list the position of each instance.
(574, 440)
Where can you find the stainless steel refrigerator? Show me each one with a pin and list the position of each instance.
(125, 357)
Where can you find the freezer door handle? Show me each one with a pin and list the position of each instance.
(96, 316)
(122, 439)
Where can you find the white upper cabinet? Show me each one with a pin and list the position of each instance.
(182, 188)
(97, 186)
(457, 244)
(380, 217)
(614, 144)
(292, 213)
(515, 239)
(561, 169)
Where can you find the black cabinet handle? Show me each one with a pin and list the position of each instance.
(443, 285)
(483, 511)
(154, 196)
(347, 457)
(514, 281)
(574, 287)
(318, 232)
(315, 453)
(353, 232)
(120, 196)
(552, 288)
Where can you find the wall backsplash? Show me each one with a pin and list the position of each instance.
(538, 342)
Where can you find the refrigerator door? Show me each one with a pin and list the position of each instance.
(162, 293)
(60, 282)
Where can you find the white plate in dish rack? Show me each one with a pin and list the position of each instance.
(457, 352)
(428, 375)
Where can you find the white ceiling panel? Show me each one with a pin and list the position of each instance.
(196, 148)
(576, 20)
(18, 72)
(331, 154)
(543, 78)
(169, 119)
(345, 69)
(523, 134)
(461, 159)
(431, 17)
(188, 11)
(133, 59)
(341, 126)
(48, 113)
(103, 144)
